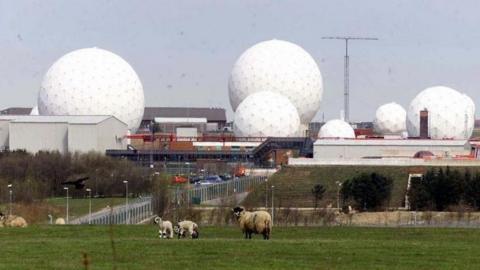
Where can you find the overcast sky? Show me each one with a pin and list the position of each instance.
(183, 51)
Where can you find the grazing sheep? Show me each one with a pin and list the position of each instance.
(187, 226)
(165, 228)
(258, 222)
(12, 221)
(59, 221)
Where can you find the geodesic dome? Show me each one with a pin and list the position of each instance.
(92, 81)
(336, 129)
(451, 115)
(282, 67)
(390, 119)
(266, 114)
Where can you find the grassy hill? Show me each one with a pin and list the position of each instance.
(293, 184)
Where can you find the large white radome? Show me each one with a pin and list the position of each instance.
(336, 129)
(451, 115)
(266, 114)
(92, 82)
(282, 67)
(390, 119)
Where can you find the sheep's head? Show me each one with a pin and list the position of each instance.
(176, 229)
(195, 234)
(238, 211)
(157, 220)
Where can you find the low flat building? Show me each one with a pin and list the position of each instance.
(62, 133)
(16, 111)
(387, 148)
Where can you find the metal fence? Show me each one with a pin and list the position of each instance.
(142, 208)
(201, 194)
(137, 211)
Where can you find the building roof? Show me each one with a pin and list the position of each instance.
(387, 142)
(16, 111)
(212, 114)
(70, 119)
(182, 120)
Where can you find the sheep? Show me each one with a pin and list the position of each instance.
(258, 222)
(165, 228)
(186, 226)
(60, 221)
(12, 221)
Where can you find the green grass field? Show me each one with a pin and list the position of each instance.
(61, 247)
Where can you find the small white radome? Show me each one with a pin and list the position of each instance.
(390, 119)
(337, 129)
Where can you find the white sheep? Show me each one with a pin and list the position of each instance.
(186, 226)
(258, 222)
(60, 221)
(12, 221)
(165, 228)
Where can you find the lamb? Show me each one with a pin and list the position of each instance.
(187, 226)
(258, 222)
(12, 221)
(165, 228)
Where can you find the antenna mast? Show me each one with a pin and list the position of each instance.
(346, 72)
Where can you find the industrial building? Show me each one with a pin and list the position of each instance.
(387, 148)
(169, 118)
(62, 133)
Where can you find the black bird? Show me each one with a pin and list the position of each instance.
(79, 183)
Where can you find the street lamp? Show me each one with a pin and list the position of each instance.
(339, 186)
(127, 220)
(266, 193)
(273, 212)
(89, 205)
(66, 188)
(10, 192)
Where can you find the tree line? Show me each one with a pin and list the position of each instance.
(38, 176)
(442, 189)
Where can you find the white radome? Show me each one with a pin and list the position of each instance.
(92, 81)
(266, 114)
(451, 115)
(282, 67)
(337, 128)
(390, 119)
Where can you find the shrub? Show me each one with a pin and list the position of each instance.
(367, 191)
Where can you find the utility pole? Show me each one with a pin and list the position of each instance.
(127, 212)
(273, 209)
(10, 192)
(346, 79)
(67, 208)
(89, 190)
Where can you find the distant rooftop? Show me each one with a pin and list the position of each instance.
(212, 114)
(71, 119)
(16, 111)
